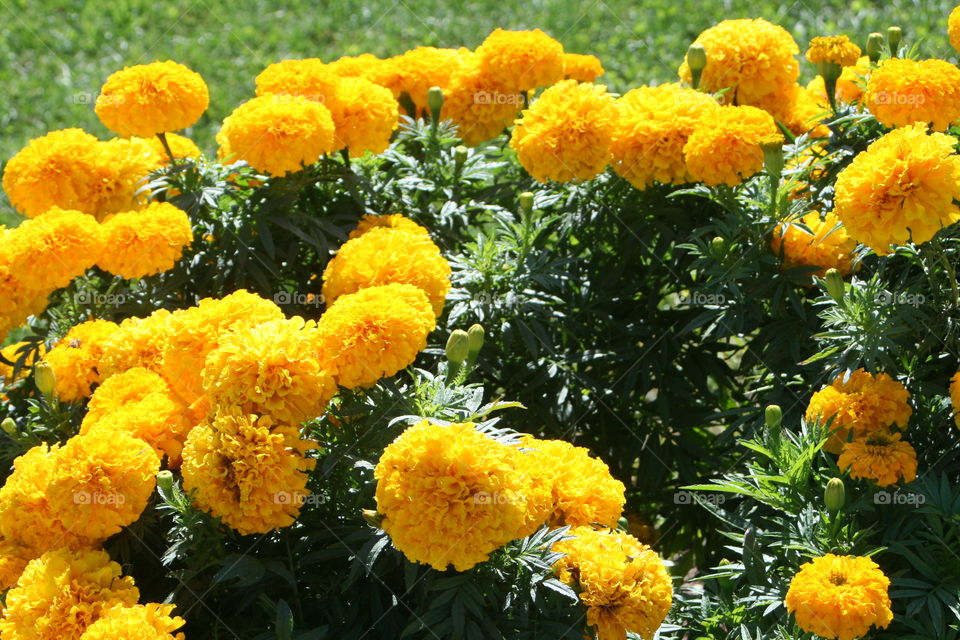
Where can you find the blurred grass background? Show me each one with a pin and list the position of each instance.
(55, 55)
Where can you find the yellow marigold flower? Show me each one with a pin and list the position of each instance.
(12, 353)
(278, 134)
(366, 65)
(145, 243)
(859, 405)
(521, 60)
(386, 256)
(650, 131)
(270, 369)
(181, 146)
(901, 92)
(75, 358)
(840, 597)
(725, 148)
(147, 99)
(850, 84)
(902, 189)
(623, 583)
(838, 50)
(138, 342)
(450, 495)
(391, 221)
(479, 104)
(799, 110)
(195, 332)
(583, 491)
(818, 243)
(566, 134)
(751, 58)
(63, 592)
(582, 68)
(955, 397)
(953, 28)
(102, 482)
(880, 456)
(140, 403)
(415, 71)
(364, 116)
(132, 161)
(247, 470)
(140, 622)
(309, 78)
(12, 563)
(374, 333)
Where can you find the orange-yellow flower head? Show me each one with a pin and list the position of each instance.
(386, 256)
(751, 58)
(148, 99)
(247, 470)
(799, 110)
(521, 60)
(651, 129)
(146, 242)
(582, 68)
(953, 28)
(817, 243)
(860, 404)
(725, 147)
(850, 84)
(181, 146)
(903, 188)
(309, 78)
(63, 592)
(374, 333)
(901, 92)
(140, 622)
(838, 50)
(450, 495)
(840, 597)
(364, 116)
(391, 221)
(880, 456)
(566, 134)
(138, 342)
(415, 71)
(278, 134)
(75, 358)
(623, 583)
(480, 105)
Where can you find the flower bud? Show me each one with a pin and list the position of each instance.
(526, 202)
(718, 245)
(894, 36)
(435, 102)
(697, 61)
(373, 518)
(772, 416)
(874, 47)
(833, 282)
(458, 346)
(460, 154)
(475, 334)
(835, 495)
(45, 378)
(165, 482)
(9, 426)
(773, 154)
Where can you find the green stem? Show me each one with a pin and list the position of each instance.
(166, 146)
(951, 270)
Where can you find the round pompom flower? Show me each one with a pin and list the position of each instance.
(270, 369)
(903, 188)
(247, 470)
(901, 92)
(840, 597)
(140, 622)
(955, 397)
(374, 333)
(582, 489)
(623, 583)
(751, 58)
(582, 68)
(102, 482)
(521, 60)
(309, 78)
(75, 358)
(566, 134)
(278, 134)
(650, 131)
(63, 592)
(450, 495)
(146, 242)
(860, 404)
(364, 116)
(147, 99)
(818, 243)
(416, 71)
(387, 256)
(880, 456)
(725, 147)
(799, 110)
(391, 221)
(838, 50)
(138, 342)
(953, 28)
(479, 104)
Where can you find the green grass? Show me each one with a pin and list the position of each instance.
(56, 54)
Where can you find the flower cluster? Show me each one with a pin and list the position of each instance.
(901, 92)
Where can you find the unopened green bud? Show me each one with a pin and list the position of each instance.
(373, 518)
(165, 482)
(874, 47)
(526, 201)
(697, 61)
(45, 378)
(718, 245)
(458, 346)
(435, 102)
(833, 282)
(9, 426)
(894, 36)
(460, 154)
(772, 416)
(476, 334)
(772, 146)
(835, 495)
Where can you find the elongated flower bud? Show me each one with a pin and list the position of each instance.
(874, 47)
(165, 482)
(9, 426)
(697, 61)
(894, 36)
(45, 378)
(372, 518)
(773, 415)
(435, 102)
(833, 281)
(526, 202)
(835, 495)
(460, 154)
(458, 346)
(476, 334)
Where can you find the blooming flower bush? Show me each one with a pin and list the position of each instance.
(464, 344)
